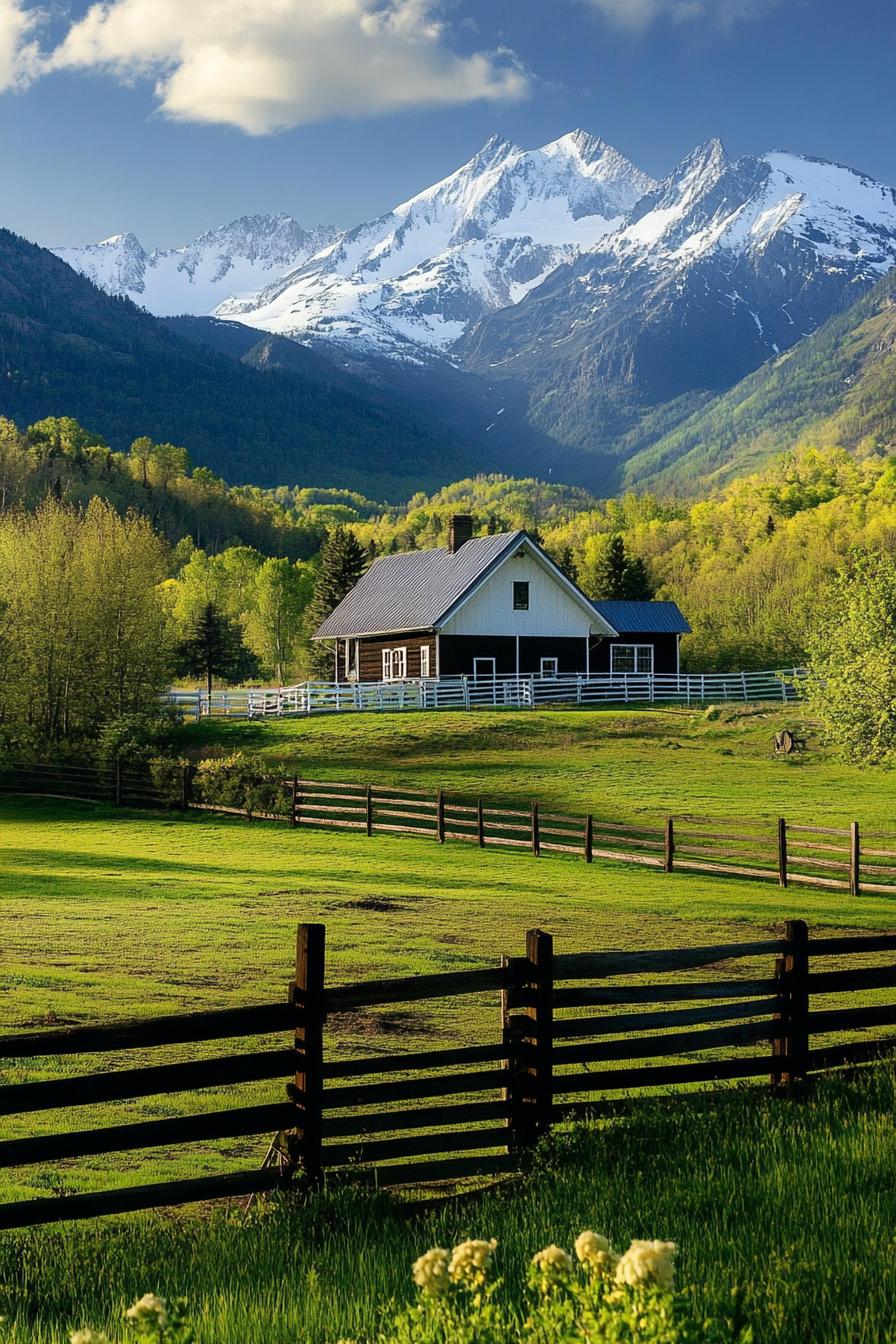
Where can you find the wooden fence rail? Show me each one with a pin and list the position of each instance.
(835, 858)
(474, 1109)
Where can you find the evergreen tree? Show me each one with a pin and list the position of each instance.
(608, 573)
(342, 562)
(216, 649)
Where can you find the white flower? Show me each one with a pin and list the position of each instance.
(469, 1262)
(553, 1266)
(647, 1262)
(148, 1310)
(596, 1253)
(88, 1336)
(431, 1271)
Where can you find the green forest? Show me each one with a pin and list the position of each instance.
(122, 571)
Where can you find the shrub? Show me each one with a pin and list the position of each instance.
(239, 781)
(166, 773)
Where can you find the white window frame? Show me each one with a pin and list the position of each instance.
(424, 660)
(553, 670)
(485, 676)
(638, 650)
(395, 664)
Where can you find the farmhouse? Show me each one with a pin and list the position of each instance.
(490, 606)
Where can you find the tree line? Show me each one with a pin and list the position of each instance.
(107, 592)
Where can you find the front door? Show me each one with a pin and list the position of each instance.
(484, 669)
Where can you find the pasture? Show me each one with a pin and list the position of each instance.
(109, 914)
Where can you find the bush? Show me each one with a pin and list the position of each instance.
(239, 781)
(166, 773)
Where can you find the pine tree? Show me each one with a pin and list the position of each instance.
(608, 574)
(342, 562)
(216, 649)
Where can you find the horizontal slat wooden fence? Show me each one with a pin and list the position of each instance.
(576, 1034)
(836, 858)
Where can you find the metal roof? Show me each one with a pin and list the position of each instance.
(416, 590)
(412, 589)
(644, 618)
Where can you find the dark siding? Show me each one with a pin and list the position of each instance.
(456, 653)
(664, 657)
(570, 654)
(371, 654)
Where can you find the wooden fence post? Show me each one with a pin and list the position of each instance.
(589, 838)
(308, 996)
(440, 816)
(778, 1018)
(854, 858)
(118, 781)
(368, 805)
(538, 1038)
(536, 835)
(293, 819)
(480, 824)
(794, 1017)
(668, 845)
(184, 787)
(782, 852)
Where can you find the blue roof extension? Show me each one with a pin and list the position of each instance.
(644, 618)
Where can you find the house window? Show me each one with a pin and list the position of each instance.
(520, 595)
(549, 667)
(631, 658)
(395, 664)
(424, 660)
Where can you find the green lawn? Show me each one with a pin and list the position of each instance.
(109, 914)
(615, 763)
(793, 1200)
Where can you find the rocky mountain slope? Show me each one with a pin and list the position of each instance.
(234, 262)
(836, 387)
(478, 241)
(723, 266)
(68, 348)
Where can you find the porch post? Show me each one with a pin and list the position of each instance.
(588, 655)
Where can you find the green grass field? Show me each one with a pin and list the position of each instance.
(109, 914)
(615, 763)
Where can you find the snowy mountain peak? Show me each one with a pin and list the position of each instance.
(235, 260)
(478, 240)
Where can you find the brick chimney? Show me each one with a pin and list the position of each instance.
(460, 530)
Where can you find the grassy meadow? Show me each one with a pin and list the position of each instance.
(113, 913)
(618, 763)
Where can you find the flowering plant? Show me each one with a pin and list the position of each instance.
(594, 1297)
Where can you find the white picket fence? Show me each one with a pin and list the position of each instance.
(516, 692)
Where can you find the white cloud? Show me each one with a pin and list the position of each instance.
(638, 14)
(19, 57)
(263, 65)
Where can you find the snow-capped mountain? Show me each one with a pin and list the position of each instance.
(475, 242)
(721, 266)
(235, 262)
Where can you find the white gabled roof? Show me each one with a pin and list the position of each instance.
(421, 590)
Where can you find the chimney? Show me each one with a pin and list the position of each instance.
(460, 530)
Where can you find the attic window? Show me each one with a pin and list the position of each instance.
(520, 595)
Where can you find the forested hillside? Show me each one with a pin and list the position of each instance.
(749, 567)
(836, 387)
(67, 348)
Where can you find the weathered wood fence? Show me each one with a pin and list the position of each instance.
(844, 858)
(576, 1035)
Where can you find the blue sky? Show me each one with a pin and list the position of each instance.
(170, 116)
